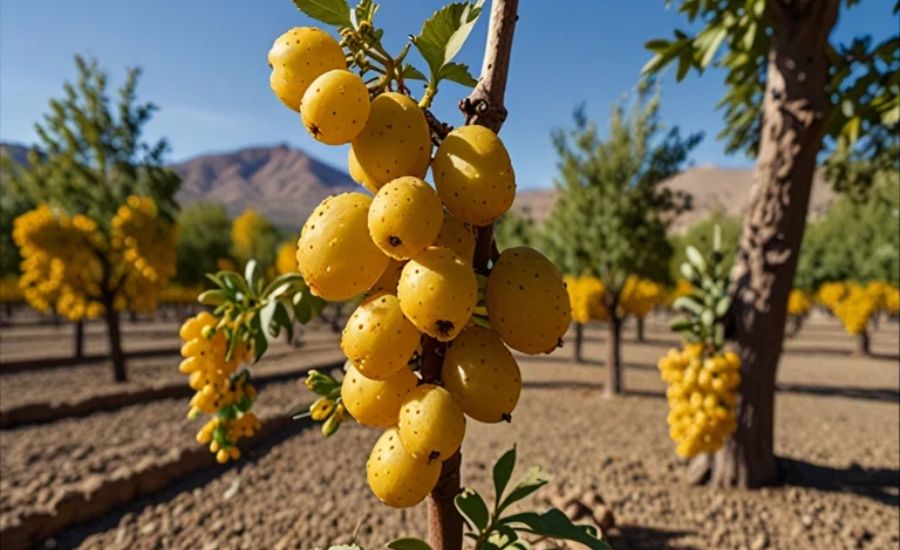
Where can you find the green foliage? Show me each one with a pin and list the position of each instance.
(707, 304)
(699, 236)
(610, 219)
(488, 528)
(93, 155)
(441, 38)
(736, 35)
(514, 229)
(204, 236)
(856, 240)
(11, 206)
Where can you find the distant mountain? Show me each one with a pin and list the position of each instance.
(712, 189)
(16, 151)
(284, 184)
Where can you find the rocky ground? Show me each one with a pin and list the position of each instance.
(837, 430)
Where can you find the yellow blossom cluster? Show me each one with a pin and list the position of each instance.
(586, 299)
(799, 303)
(640, 296)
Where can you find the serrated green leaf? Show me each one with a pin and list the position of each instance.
(459, 73)
(412, 73)
(330, 12)
(408, 544)
(503, 470)
(473, 509)
(443, 35)
(554, 524)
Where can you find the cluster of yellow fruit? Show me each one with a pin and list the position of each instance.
(799, 303)
(586, 299)
(61, 267)
(411, 248)
(701, 396)
(639, 296)
(220, 389)
(144, 247)
(855, 309)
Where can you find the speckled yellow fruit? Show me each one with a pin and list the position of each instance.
(358, 174)
(389, 279)
(396, 140)
(405, 217)
(336, 256)
(437, 292)
(482, 375)
(378, 339)
(298, 57)
(375, 403)
(456, 235)
(473, 175)
(431, 423)
(335, 107)
(396, 478)
(527, 302)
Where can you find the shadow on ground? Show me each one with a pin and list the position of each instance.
(635, 537)
(887, 395)
(879, 484)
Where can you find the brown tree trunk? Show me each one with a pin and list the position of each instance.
(484, 106)
(579, 338)
(793, 121)
(862, 344)
(79, 339)
(117, 356)
(613, 357)
(639, 326)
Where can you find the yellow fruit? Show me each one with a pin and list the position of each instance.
(437, 292)
(375, 403)
(389, 279)
(457, 236)
(358, 174)
(431, 423)
(396, 478)
(473, 175)
(378, 339)
(527, 302)
(336, 256)
(298, 57)
(396, 140)
(482, 375)
(335, 107)
(405, 217)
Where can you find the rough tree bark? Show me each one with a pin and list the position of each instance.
(111, 316)
(79, 339)
(613, 357)
(863, 348)
(639, 328)
(793, 123)
(484, 106)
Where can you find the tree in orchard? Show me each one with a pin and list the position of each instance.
(438, 300)
(254, 237)
(204, 237)
(788, 87)
(102, 238)
(611, 217)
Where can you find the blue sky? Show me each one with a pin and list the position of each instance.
(205, 67)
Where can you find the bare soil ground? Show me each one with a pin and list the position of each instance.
(838, 433)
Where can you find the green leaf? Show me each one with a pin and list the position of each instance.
(408, 544)
(253, 275)
(266, 314)
(722, 306)
(330, 12)
(687, 303)
(459, 73)
(682, 325)
(696, 258)
(302, 311)
(711, 46)
(503, 470)
(412, 73)
(292, 278)
(707, 317)
(473, 509)
(554, 524)
(531, 482)
(445, 32)
(212, 297)
(282, 320)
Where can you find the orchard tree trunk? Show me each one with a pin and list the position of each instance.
(639, 325)
(793, 122)
(79, 339)
(613, 357)
(862, 344)
(484, 106)
(579, 338)
(116, 355)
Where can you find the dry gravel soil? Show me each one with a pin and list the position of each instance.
(837, 432)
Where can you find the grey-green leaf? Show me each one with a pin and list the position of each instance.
(212, 297)
(554, 524)
(503, 470)
(472, 508)
(331, 12)
(696, 258)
